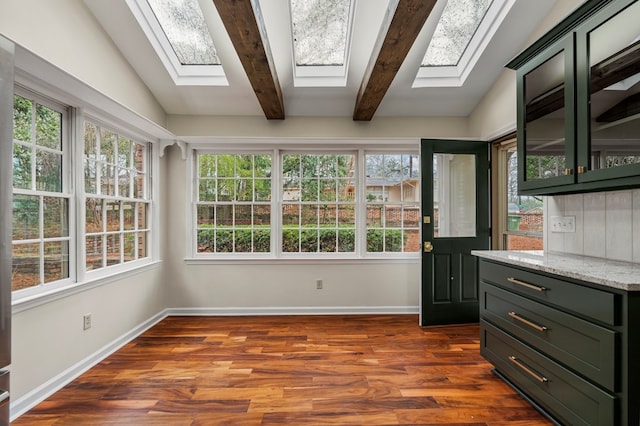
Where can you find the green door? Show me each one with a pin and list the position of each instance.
(455, 210)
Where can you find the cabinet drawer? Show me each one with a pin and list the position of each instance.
(582, 300)
(583, 346)
(564, 395)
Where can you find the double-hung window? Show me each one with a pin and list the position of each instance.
(76, 207)
(306, 204)
(392, 202)
(233, 203)
(42, 202)
(318, 203)
(117, 201)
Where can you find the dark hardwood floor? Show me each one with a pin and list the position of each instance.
(294, 370)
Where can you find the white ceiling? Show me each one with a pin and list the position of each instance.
(239, 99)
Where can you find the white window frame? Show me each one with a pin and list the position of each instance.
(67, 192)
(403, 203)
(456, 75)
(58, 89)
(147, 197)
(277, 148)
(182, 75)
(193, 160)
(281, 203)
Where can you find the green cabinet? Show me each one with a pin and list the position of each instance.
(578, 99)
(570, 347)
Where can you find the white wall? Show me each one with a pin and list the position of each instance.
(49, 338)
(319, 127)
(67, 35)
(277, 285)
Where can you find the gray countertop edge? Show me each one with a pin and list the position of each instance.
(609, 273)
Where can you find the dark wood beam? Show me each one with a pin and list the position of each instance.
(627, 107)
(244, 24)
(399, 31)
(618, 67)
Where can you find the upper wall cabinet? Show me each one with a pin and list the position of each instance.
(579, 102)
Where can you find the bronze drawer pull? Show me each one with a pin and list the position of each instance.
(527, 285)
(529, 371)
(529, 323)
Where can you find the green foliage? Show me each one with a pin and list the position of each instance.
(544, 166)
(234, 177)
(380, 241)
(224, 241)
(47, 123)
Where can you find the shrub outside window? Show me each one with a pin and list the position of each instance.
(41, 203)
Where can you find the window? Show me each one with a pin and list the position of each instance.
(458, 23)
(321, 33)
(181, 38)
(463, 32)
(41, 240)
(233, 213)
(318, 205)
(393, 203)
(183, 24)
(521, 217)
(117, 201)
(289, 204)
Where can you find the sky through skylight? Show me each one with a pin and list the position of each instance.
(183, 23)
(320, 29)
(459, 22)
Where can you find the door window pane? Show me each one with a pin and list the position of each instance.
(454, 195)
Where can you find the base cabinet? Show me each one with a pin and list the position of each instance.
(571, 347)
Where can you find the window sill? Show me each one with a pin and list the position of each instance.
(299, 261)
(32, 301)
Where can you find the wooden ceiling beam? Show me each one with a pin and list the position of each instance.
(243, 22)
(400, 29)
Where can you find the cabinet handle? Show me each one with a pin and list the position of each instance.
(4, 395)
(527, 370)
(541, 328)
(527, 285)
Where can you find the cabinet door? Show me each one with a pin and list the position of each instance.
(546, 118)
(608, 94)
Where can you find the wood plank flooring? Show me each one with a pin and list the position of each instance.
(294, 370)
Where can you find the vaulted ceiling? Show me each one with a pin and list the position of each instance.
(388, 40)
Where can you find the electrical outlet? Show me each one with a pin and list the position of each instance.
(563, 224)
(319, 284)
(86, 321)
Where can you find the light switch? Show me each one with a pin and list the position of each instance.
(563, 224)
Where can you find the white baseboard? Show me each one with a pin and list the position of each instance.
(306, 310)
(42, 392)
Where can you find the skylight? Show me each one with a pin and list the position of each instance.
(459, 22)
(321, 32)
(461, 35)
(183, 24)
(179, 34)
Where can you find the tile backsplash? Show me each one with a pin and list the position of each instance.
(607, 224)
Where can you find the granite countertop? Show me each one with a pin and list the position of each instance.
(610, 273)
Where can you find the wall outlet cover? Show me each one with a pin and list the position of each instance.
(562, 224)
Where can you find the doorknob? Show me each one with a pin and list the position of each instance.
(427, 247)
